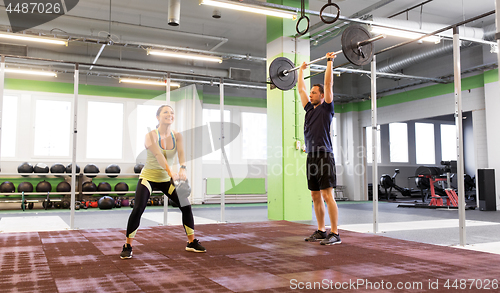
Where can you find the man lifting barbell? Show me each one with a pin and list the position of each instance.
(321, 176)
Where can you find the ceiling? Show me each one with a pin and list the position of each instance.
(128, 27)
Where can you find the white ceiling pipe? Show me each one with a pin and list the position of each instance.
(174, 12)
(468, 32)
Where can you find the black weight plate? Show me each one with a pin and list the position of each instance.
(283, 82)
(350, 38)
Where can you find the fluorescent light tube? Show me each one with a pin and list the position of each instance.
(250, 8)
(185, 55)
(20, 37)
(404, 34)
(31, 72)
(150, 82)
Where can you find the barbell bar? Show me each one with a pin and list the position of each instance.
(357, 46)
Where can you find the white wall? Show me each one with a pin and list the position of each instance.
(492, 106)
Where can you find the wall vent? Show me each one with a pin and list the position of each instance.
(17, 50)
(239, 74)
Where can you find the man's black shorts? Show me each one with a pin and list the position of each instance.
(320, 171)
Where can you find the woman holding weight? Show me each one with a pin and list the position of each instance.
(162, 144)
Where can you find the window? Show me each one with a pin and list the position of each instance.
(398, 142)
(369, 157)
(333, 134)
(424, 143)
(448, 142)
(52, 128)
(254, 135)
(9, 124)
(104, 130)
(146, 121)
(213, 115)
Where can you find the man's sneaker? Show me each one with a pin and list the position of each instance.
(316, 236)
(126, 251)
(195, 246)
(331, 239)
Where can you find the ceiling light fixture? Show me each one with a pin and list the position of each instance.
(31, 72)
(404, 34)
(185, 55)
(149, 82)
(20, 37)
(250, 8)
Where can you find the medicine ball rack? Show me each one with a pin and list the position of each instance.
(45, 197)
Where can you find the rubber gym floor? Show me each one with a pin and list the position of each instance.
(415, 251)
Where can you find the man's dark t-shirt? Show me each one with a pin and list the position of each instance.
(317, 127)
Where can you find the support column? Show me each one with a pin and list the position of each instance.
(288, 196)
(460, 139)
(374, 145)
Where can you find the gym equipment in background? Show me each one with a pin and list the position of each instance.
(106, 203)
(41, 168)
(25, 168)
(68, 169)
(89, 186)
(104, 186)
(91, 169)
(486, 189)
(7, 187)
(138, 168)
(25, 187)
(113, 169)
(388, 182)
(63, 187)
(121, 186)
(43, 186)
(57, 168)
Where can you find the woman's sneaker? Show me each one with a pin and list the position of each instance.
(126, 251)
(195, 246)
(331, 239)
(318, 235)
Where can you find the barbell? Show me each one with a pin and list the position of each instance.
(357, 46)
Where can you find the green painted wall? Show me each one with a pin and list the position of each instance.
(287, 193)
(243, 186)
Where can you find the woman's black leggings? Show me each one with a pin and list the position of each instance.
(143, 193)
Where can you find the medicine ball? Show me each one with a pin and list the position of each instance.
(104, 186)
(57, 168)
(125, 202)
(57, 204)
(68, 168)
(25, 187)
(43, 186)
(7, 187)
(41, 168)
(138, 168)
(25, 168)
(91, 169)
(63, 187)
(89, 187)
(113, 169)
(121, 186)
(106, 203)
(66, 204)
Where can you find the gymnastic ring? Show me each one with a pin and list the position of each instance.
(297, 26)
(323, 8)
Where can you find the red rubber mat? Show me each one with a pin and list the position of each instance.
(245, 257)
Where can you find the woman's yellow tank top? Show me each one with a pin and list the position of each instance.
(152, 170)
